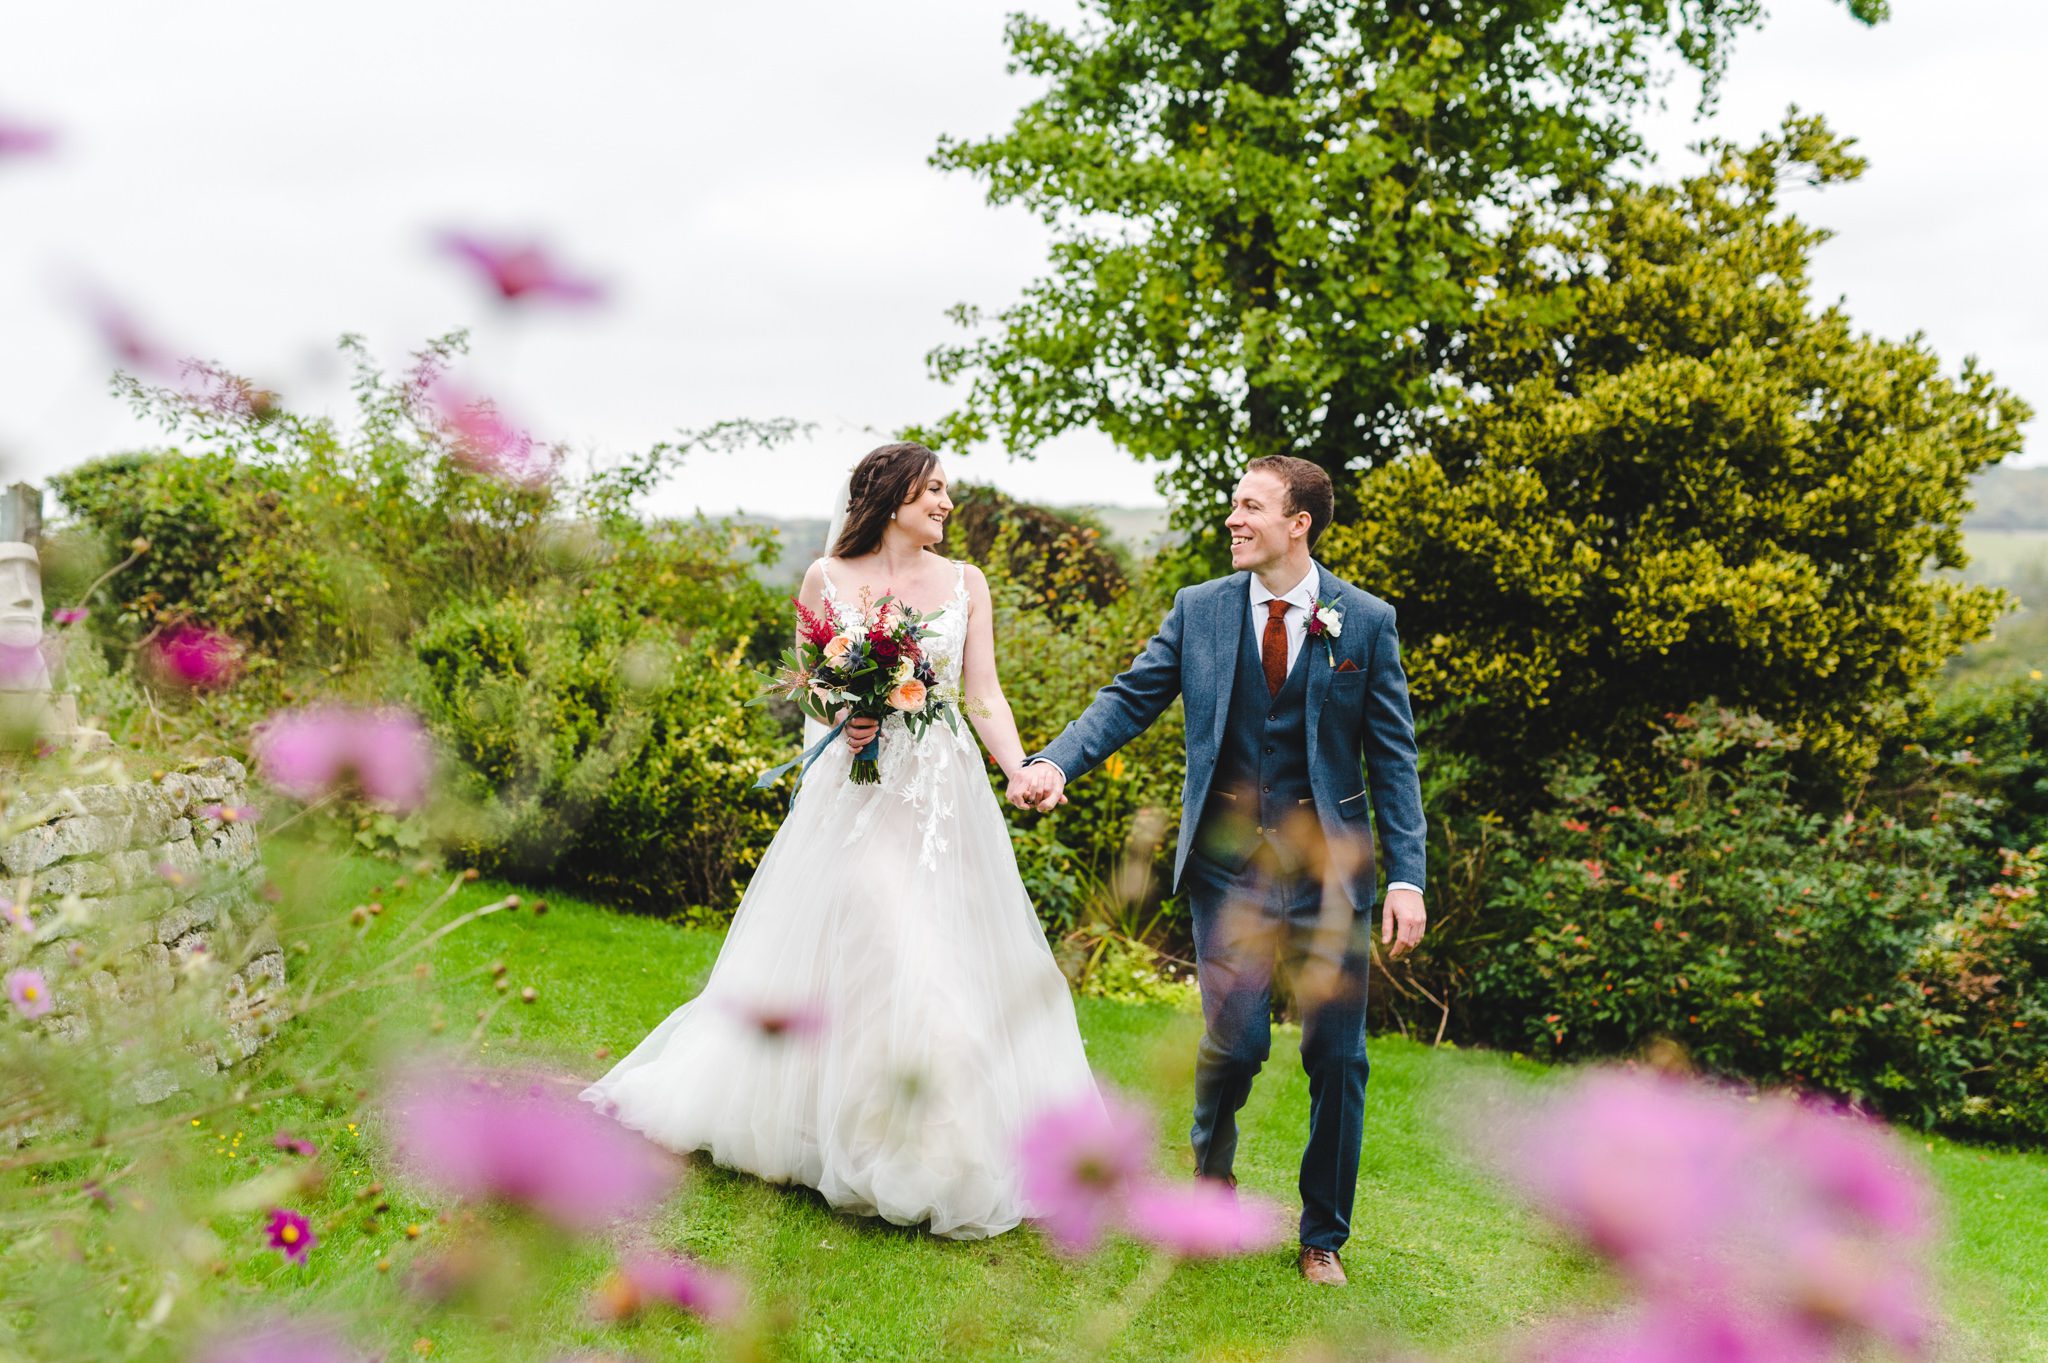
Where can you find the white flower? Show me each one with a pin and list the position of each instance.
(1333, 621)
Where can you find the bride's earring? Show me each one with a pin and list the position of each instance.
(892, 515)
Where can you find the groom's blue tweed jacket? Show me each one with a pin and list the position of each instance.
(1360, 731)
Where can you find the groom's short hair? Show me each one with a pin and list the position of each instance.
(1308, 489)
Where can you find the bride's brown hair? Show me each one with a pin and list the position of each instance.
(883, 480)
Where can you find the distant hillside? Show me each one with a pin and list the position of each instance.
(2010, 499)
(1140, 529)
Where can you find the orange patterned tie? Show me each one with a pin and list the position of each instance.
(1273, 647)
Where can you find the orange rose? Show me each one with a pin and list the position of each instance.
(835, 648)
(909, 696)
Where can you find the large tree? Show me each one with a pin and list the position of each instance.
(1659, 473)
(1273, 218)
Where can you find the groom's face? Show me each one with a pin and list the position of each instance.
(1260, 528)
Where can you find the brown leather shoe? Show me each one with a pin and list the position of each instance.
(1322, 1267)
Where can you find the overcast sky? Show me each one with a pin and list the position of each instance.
(254, 179)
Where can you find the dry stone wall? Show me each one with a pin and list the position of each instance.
(148, 874)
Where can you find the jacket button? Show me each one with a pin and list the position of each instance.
(1267, 789)
(1269, 747)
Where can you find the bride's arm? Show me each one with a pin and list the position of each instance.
(978, 680)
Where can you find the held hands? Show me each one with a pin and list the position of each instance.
(1038, 786)
(859, 733)
(1402, 919)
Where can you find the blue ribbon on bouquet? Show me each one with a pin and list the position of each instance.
(804, 759)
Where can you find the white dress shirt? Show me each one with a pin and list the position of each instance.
(1300, 599)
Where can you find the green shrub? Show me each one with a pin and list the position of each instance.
(226, 544)
(599, 750)
(1051, 665)
(1990, 740)
(1770, 940)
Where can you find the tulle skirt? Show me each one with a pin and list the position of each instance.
(884, 1015)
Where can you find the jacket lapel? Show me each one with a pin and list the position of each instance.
(1314, 657)
(1228, 609)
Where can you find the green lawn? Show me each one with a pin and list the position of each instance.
(1438, 1260)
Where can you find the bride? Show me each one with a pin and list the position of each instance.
(884, 1015)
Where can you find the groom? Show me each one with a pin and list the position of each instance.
(1293, 683)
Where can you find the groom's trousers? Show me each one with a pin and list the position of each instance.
(1248, 923)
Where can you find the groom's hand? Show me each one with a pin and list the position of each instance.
(860, 732)
(1038, 786)
(1402, 919)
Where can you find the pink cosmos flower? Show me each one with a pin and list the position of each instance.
(1691, 1333)
(520, 272)
(172, 876)
(133, 347)
(290, 1234)
(17, 917)
(527, 1140)
(19, 139)
(487, 443)
(291, 1144)
(22, 667)
(278, 1341)
(781, 1021)
(1204, 1219)
(384, 754)
(653, 1278)
(30, 993)
(228, 813)
(69, 615)
(1772, 1208)
(190, 656)
(1081, 1163)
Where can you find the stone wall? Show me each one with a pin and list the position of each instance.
(146, 874)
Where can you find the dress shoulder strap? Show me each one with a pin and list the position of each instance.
(831, 592)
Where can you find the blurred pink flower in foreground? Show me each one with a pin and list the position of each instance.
(68, 615)
(29, 992)
(133, 347)
(1686, 1334)
(383, 753)
(651, 1278)
(19, 139)
(1790, 1217)
(229, 813)
(17, 917)
(278, 1341)
(781, 1021)
(527, 1140)
(486, 442)
(1081, 1164)
(291, 1144)
(21, 667)
(1205, 1220)
(191, 656)
(290, 1234)
(520, 272)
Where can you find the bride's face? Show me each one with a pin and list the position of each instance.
(924, 515)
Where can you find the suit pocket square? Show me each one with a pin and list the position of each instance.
(1347, 666)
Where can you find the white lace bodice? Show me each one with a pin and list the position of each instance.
(921, 771)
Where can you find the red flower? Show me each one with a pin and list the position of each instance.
(816, 630)
(884, 648)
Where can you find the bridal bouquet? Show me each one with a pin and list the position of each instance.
(874, 668)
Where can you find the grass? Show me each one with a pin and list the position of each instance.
(1439, 1259)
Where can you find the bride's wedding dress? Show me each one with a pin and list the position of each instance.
(884, 1015)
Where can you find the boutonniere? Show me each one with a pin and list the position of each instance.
(1326, 622)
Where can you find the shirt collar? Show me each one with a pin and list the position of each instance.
(1302, 593)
